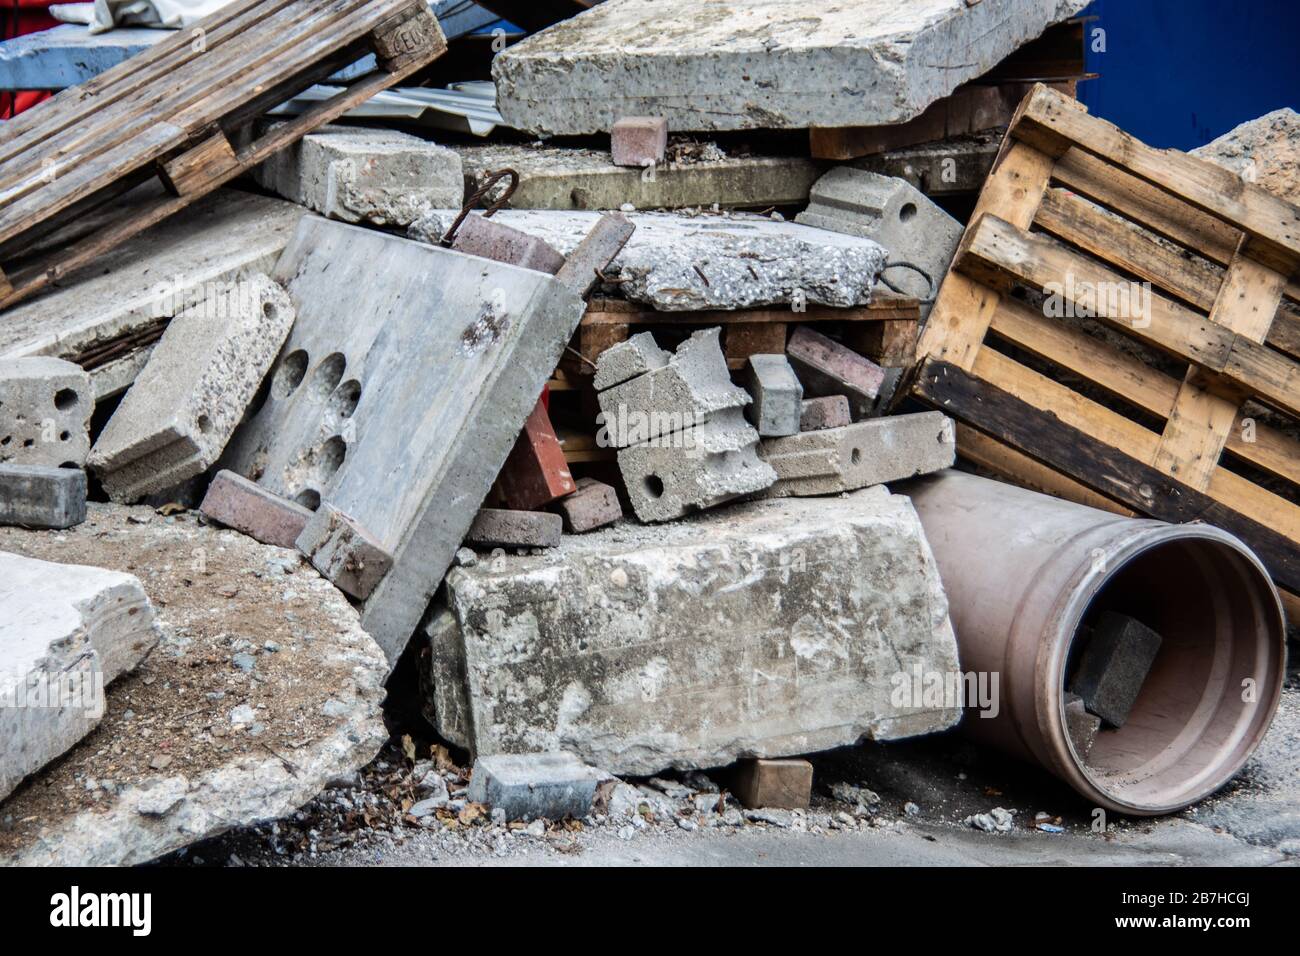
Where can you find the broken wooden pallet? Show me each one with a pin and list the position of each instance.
(1152, 360)
(175, 112)
(884, 330)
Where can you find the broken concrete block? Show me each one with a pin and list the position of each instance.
(236, 502)
(377, 176)
(895, 214)
(827, 368)
(758, 64)
(694, 385)
(585, 265)
(66, 632)
(423, 389)
(769, 629)
(628, 359)
(1081, 726)
(502, 528)
(1113, 666)
(874, 452)
(108, 318)
(536, 473)
(344, 552)
(777, 784)
(180, 413)
(829, 411)
(45, 409)
(481, 236)
(40, 496)
(594, 505)
(777, 395)
(568, 177)
(689, 263)
(1264, 151)
(537, 786)
(639, 141)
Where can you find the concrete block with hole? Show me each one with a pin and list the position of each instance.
(45, 409)
(835, 460)
(205, 371)
(895, 214)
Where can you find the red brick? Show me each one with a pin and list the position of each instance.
(236, 502)
(479, 236)
(818, 414)
(536, 473)
(828, 368)
(639, 141)
(594, 505)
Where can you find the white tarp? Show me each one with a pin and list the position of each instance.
(104, 15)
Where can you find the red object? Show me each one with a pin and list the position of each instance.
(536, 473)
(18, 18)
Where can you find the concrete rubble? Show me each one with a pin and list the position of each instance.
(679, 263)
(1264, 150)
(767, 629)
(758, 64)
(45, 409)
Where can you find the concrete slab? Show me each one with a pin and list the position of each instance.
(66, 633)
(45, 409)
(765, 629)
(552, 177)
(681, 263)
(758, 64)
(182, 409)
(107, 318)
(399, 409)
(263, 689)
(380, 177)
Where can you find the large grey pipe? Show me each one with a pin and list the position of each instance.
(1024, 572)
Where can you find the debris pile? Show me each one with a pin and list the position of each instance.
(606, 453)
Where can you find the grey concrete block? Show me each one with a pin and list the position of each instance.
(825, 367)
(538, 786)
(777, 395)
(45, 409)
(758, 64)
(184, 406)
(500, 527)
(773, 628)
(381, 177)
(66, 632)
(687, 263)
(344, 552)
(222, 239)
(829, 411)
(400, 409)
(834, 460)
(1081, 726)
(1113, 666)
(893, 213)
(628, 359)
(40, 496)
(568, 177)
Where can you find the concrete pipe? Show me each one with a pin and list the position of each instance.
(1027, 574)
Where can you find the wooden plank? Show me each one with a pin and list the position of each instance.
(192, 171)
(740, 340)
(1035, 432)
(407, 37)
(963, 308)
(997, 253)
(889, 344)
(1054, 123)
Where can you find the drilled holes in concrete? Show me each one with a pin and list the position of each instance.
(907, 212)
(65, 399)
(309, 498)
(330, 458)
(856, 456)
(345, 398)
(654, 486)
(292, 370)
(327, 376)
(204, 424)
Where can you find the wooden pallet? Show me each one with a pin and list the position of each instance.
(1149, 414)
(174, 113)
(885, 330)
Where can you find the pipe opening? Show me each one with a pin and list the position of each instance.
(1212, 687)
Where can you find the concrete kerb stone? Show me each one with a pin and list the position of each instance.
(40, 496)
(777, 395)
(538, 786)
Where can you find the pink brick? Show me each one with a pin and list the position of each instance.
(825, 367)
(482, 237)
(818, 414)
(592, 506)
(639, 141)
(236, 502)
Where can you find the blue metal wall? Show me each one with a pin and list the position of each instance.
(1181, 72)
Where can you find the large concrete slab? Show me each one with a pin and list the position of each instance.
(262, 689)
(398, 395)
(758, 64)
(768, 629)
(66, 633)
(688, 263)
(107, 318)
(571, 177)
